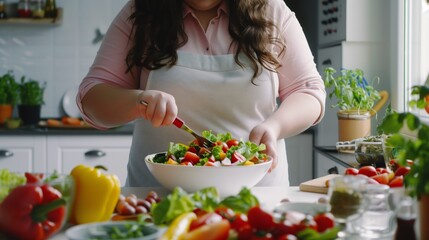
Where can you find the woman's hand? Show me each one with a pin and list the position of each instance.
(265, 134)
(161, 107)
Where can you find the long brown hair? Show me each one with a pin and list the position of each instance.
(158, 32)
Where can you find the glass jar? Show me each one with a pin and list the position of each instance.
(50, 9)
(24, 9)
(38, 10)
(2, 9)
(406, 216)
(377, 219)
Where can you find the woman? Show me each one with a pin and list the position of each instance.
(219, 65)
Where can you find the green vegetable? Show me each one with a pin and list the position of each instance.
(132, 229)
(8, 181)
(311, 234)
(241, 202)
(172, 206)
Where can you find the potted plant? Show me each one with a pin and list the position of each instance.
(356, 100)
(31, 100)
(414, 149)
(9, 96)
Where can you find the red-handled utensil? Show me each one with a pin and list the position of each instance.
(202, 141)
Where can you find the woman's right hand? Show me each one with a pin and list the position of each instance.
(161, 107)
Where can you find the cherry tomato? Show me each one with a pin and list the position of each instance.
(33, 177)
(287, 237)
(397, 182)
(225, 213)
(205, 219)
(381, 170)
(351, 171)
(307, 222)
(191, 157)
(427, 103)
(402, 171)
(232, 142)
(284, 228)
(381, 178)
(223, 144)
(239, 220)
(368, 171)
(324, 221)
(260, 219)
(237, 157)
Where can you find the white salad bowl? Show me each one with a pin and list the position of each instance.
(228, 180)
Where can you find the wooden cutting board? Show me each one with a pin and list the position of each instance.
(317, 185)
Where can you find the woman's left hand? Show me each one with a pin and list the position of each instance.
(265, 134)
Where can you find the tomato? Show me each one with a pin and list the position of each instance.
(237, 157)
(381, 178)
(381, 170)
(199, 212)
(191, 157)
(214, 231)
(244, 232)
(287, 237)
(397, 182)
(307, 222)
(205, 219)
(232, 142)
(284, 228)
(33, 177)
(225, 212)
(427, 103)
(351, 171)
(402, 171)
(260, 219)
(223, 144)
(324, 221)
(368, 171)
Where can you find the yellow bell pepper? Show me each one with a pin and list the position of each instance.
(179, 226)
(96, 194)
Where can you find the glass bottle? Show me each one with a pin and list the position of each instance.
(405, 217)
(378, 219)
(38, 10)
(3, 9)
(24, 10)
(50, 9)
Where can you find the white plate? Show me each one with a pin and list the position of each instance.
(69, 103)
(303, 207)
(91, 230)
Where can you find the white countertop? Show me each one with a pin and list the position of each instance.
(268, 197)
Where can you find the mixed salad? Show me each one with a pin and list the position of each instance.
(226, 151)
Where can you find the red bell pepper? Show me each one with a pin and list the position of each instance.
(32, 211)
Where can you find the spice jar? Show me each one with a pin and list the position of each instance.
(24, 10)
(38, 10)
(2, 9)
(50, 9)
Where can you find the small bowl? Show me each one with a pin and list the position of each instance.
(92, 230)
(369, 153)
(228, 180)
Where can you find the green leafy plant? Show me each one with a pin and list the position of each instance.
(31, 92)
(351, 89)
(410, 148)
(9, 89)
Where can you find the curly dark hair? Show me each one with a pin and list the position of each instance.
(159, 25)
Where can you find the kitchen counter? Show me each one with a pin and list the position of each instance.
(268, 196)
(126, 129)
(344, 159)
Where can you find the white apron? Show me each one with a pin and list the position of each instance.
(211, 93)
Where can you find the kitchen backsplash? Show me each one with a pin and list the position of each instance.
(59, 54)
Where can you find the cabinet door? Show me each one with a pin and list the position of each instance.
(299, 151)
(23, 153)
(325, 166)
(66, 152)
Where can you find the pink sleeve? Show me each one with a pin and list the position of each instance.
(109, 65)
(298, 72)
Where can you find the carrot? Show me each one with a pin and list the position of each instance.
(71, 121)
(53, 122)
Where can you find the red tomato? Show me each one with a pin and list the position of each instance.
(284, 228)
(324, 221)
(260, 219)
(237, 157)
(205, 219)
(397, 182)
(186, 163)
(232, 142)
(368, 171)
(223, 144)
(242, 226)
(402, 171)
(33, 177)
(351, 171)
(427, 103)
(213, 231)
(199, 212)
(381, 178)
(308, 222)
(287, 237)
(191, 157)
(381, 170)
(225, 213)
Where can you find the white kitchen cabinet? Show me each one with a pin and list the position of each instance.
(299, 151)
(325, 166)
(111, 151)
(23, 153)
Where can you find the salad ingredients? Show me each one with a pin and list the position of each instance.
(179, 226)
(226, 151)
(210, 231)
(96, 194)
(8, 181)
(32, 211)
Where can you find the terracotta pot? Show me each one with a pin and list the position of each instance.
(424, 217)
(6, 111)
(353, 124)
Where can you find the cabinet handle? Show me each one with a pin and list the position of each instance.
(5, 153)
(95, 153)
(327, 62)
(333, 170)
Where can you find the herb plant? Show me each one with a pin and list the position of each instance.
(9, 89)
(31, 92)
(407, 148)
(351, 90)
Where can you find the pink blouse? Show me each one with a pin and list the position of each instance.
(297, 74)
